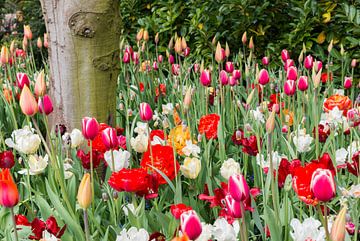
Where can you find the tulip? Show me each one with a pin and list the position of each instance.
(171, 59)
(190, 224)
(40, 85)
(135, 57)
(284, 129)
(175, 69)
(244, 38)
(25, 43)
(308, 62)
(84, 195)
(28, 103)
(353, 63)
(22, 80)
(218, 53)
(186, 51)
(288, 63)
(233, 81)
(90, 128)
(251, 43)
(4, 59)
(109, 138)
(126, 57)
(270, 122)
(238, 188)
(156, 38)
(146, 113)
(183, 43)
(46, 42)
(196, 67)
(45, 105)
(265, 61)
(6, 159)
(347, 82)
(323, 185)
(233, 207)
(139, 35)
(146, 36)
(236, 74)
(285, 55)
(9, 194)
(292, 73)
(223, 77)
(318, 65)
(229, 67)
(155, 66)
(27, 32)
(39, 43)
(303, 83)
(187, 99)
(178, 48)
(338, 227)
(160, 58)
(12, 48)
(227, 50)
(205, 77)
(263, 77)
(290, 87)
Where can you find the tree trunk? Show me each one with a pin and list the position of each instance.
(84, 55)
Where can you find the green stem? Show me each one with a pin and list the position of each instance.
(92, 176)
(14, 224)
(86, 226)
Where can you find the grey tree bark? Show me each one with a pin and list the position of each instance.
(84, 58)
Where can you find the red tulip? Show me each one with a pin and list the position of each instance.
(9, 194)
(347, 83)
(236, 74)
(238, 188)
(265, 61)
(233, 207)
(45, 105)
(223, 77)
(135, 57)
(186, 51)
(308, 62)
(290, 87)
(109, 138)
(323, 185)
(263, 77)
(46, 42)
(6, 159)
(190, 224)
(175, 69)
(178, 209)
(90, 128)
(229, 67)
(22, 79)
(28, 103)
(285, 55)
(303, 83)
(288, 63)
(146, 113)
(205, 78)
(292, 73)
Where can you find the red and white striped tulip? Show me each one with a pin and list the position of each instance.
(205, 77)
(308, 62)
(285, 55)
(109, 138)
(265, 61)
(288, 64)
(290, 87)
(303, 83)
(236, 74)
(233, 207)
(323, 185)
(238, 188)
(146, 112)
(22, 79)
(160, 58)
(126, 57)
(190, 224)
(229, 67)
(175, 69)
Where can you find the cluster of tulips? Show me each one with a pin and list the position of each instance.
(226, 148)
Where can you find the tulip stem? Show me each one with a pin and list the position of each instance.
(112, 160)
(323, 217)
(92, 175)
(273, 179)
(14, 224)
(86, 226)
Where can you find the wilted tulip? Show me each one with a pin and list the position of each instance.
(84, 195)
(265, 61)
(223, 77)
(338, 227)
(45, 105)
(290, 87)
(9, 194)
(308, 62)
(303, 83)
(28, 103)
(323, 185)
(4, 57)
(146, 113)
(39, 43)
(291, 73)
(229, 67)
(22, 79)
(190, 224)
(175, 69)
(238, 187)
(90, 128)
(40, 85)
(233, 207)
(218, 53)
(263, 77)
(205, 77)
(285, 55)
(109, 138)
(348, 82)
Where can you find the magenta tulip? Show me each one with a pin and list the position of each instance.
(160, 58)
(109, 138)
(318, 65)
(303, 83)
(347, 82)
(171, 59)
(45, 105)
(205, 77)
(190, 224)
(263, 77)
(288, 64)
(233, 81)
(155, 66)
(175, 69)
(146, 112)
(238, 188)
(135, 57)
(233, 207)
(265, 61)
(236, 74)
(186, 51)
(290, 87)
(308, 62)
(223, 77)
(229, 67)
(126, 57)
(22, 79)
(323, 185)
(90, 128)
(291, 73)
(285, 55)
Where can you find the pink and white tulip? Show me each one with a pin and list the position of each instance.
(238, 188)
(323, 185)
(190, 224)
(146, 112)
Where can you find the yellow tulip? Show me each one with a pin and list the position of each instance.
(84, 193)
(338, 228)
(321, 38)
(191, 167)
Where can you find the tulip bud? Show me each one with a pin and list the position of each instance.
(229, 67)
(7, 159)
(146, 36)
(84, 195)
(109, 138)
(342, 50)
(270, 122)
(155, 66)
(285, 55)
(25, 43)
(288, 63)
(318, 65)
(46, 41)
(190, 224)
(251, 43)
(236, 74)
(126, 57)
(160, 58)
(289, 87)
(22, 80)
(347, 83)
(233, 81)
(263, 77)
(233, 207)
(4, 59)
(187, 99)
(331, 44)
(175, 69)
(250, 97)
(196, 67)
(28, 103)
(292, 73)
(323, 185)
(146, 113)
(45, 105)
(223, 77)
(186, 51)
(139, 35)
(308, 62)
(303, 83)
(171, 43)
(244, 38)
(338, 227)
(353, 63)
(265, 61)
(205, 77)
(218, 53)
(27, 32)
(178, 48)
(183, 43)
(316, 77)
(227, 50)
(238, 188)
(284, 129)
(171, 59)
(40, 85)
(9, 194)
(39, 43)
(90, 128)
(12, 48)
(157, 38)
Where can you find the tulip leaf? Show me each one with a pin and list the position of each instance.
(165, 177)
(291, 150)
(44, 207)
(272, 224)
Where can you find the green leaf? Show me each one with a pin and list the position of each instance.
(270, 220)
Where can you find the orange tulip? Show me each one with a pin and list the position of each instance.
(9, 194)
(7, 94)
(27, 32)
(4, 59)
(28, 103)
(182, 238)
(39, 43)
(46, 41)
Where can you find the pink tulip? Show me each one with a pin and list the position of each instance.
(347, 82)
(46, 41)
(229, 67)
(285, 55)
(22, 79)
(109, 138)
(238, 188)
(90, 128)
(352, 114)
(291, 73)
(284, 129)
(190, 224)
(353, 63)
(323, 185)
(303, 83)
(126, 57)
(318, 65)
(308, 62)
(155, 66)
(160, 58)
(263, 77)
(265, 61)
(290, 87)
(236, 74)
(45, 105)
(175, 69)
(186, 51)
(205, 77)
(223, 77)
(288, 64)
(171, 59)
(233, 207)
(233, 81)
(196, 67)
(146, 113)
(135, 57)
